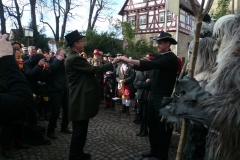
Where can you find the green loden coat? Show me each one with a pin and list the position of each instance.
(83, 86)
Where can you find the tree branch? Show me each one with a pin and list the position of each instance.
(48, 26)
(194, 8)
(208, 7)
(10, 14)
(202, 5)
(23, 9)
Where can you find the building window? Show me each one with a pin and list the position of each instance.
(169, 16)
(161, 17)
(131, 20)
(142, 19)
(188, 19)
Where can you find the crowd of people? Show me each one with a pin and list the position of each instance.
(67, 82)
(36, 85)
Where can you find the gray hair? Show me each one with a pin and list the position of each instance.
(227, 72)
(206, 59)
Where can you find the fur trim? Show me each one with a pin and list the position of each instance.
(223, 139)
(206, 60)
(227, 72)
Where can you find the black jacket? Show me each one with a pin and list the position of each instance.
(57, 80)
(18, 100)
(164, 72)
(33, 71)
(141, 85)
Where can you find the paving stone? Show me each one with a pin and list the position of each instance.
(111, 136)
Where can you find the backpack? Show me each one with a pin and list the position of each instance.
(34, 135)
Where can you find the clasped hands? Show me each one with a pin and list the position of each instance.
(121, 59)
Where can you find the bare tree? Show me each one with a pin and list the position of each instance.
(17, 13)
(66, 14)
(199, 14)
(59, 12)
(3, 20)
(33, 13)
(98, 6)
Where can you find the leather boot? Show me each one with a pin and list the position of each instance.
(124, 109)
(145, 131)
(140, 131)
(127, 111)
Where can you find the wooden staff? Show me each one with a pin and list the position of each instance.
(199, 14)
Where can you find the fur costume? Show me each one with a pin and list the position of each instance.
(206, 60)
(205, 64)
(221, 111)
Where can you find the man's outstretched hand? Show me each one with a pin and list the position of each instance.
(116, 60)
(5, 47)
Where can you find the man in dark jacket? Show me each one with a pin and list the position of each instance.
(57, 91)
(34, 68)
(162, 83)
(83, 93)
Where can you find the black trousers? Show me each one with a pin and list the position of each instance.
(159, 135)
(79, 136)
(142, 110)
(58, 99)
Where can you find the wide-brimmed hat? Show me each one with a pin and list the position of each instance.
(149, 57)
(164, 36)
(73, 37)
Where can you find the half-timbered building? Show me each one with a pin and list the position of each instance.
(149, 17)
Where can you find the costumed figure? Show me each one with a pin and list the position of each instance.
(143, 85)
(205, 65)
(219, 112)
(125, 76)
(109, 89)
(110, 86)
(97, 61)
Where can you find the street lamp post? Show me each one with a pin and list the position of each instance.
(28, 33)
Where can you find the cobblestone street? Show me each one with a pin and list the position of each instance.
(111, 136)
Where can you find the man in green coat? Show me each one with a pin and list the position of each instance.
(83, 93)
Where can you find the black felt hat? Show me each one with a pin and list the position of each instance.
(164, 36)
(73, 37)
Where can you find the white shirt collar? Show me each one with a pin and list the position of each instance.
(166, 52)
